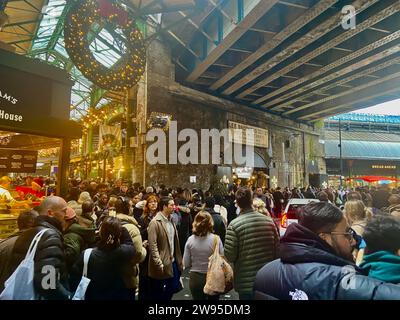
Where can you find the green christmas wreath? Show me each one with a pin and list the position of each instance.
(128, 70)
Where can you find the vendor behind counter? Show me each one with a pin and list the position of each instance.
(5, 183)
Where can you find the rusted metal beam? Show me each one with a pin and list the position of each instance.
(295, 47)
(347, 34)
(345, 93)
(238, 31)
(275, 41)
(365, 73)
(391, 82)
(316, 85)
(373, 46)
(348, 106)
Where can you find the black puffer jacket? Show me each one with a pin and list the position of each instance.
(50, 252)
(219, 225)
(309, 269)
(106, 271)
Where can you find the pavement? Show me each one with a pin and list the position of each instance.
(185, 293)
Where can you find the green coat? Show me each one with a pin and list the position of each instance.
(382, 265)
(77, 239)
(251, 241)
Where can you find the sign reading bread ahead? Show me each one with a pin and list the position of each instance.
(14, 160)
(260, 135)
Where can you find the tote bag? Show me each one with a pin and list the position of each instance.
(20, 286)
(84, 283)
(219, 274)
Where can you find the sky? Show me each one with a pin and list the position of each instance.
(387, 108)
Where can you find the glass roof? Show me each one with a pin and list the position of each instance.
(49, 45)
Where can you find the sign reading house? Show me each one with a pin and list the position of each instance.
(34, 97)
(23, 96)
(14, 160)
(4, 115)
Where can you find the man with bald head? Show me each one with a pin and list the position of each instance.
(50, 277)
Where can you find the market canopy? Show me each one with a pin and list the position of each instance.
(368, 150)
(373, 178)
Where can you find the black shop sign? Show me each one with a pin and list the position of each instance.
(34, 97)
(18, 161)
(22, 95)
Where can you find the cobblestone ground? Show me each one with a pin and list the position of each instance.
(185, 293)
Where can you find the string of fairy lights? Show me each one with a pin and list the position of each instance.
(126, 72)
(96, 117)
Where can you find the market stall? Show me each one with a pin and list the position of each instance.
(34, 115)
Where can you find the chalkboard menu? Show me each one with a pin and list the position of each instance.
(13, 160)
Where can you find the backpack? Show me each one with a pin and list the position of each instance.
(20, 286)
(84, 283)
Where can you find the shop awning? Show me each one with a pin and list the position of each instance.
(373, 178)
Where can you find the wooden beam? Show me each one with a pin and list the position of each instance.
(347, 34)
(373, 46)
(276, 40)
(238, 31)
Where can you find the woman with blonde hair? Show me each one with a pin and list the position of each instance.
(199, 247)
(357, 215)
(260, 206)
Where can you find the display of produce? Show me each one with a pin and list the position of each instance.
(9, 212)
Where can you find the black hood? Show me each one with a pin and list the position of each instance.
(301, 245)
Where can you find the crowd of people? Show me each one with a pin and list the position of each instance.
(346, 246)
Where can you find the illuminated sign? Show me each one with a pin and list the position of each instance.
(13, 160)
(384, 167)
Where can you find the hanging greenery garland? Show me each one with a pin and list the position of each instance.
(128, 70)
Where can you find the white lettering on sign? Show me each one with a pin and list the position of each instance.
(259, 138)
(16, 165)
(8, 97)
(16, 157)
(10, 116)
